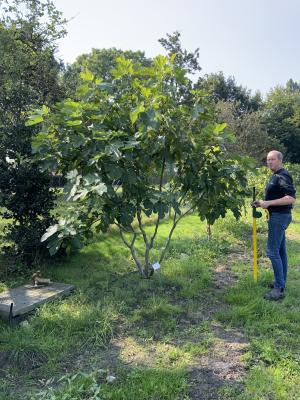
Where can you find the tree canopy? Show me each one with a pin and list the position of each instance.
(226, 89)
(29, 78)
(281, 118)
(134, 148)
(100, 62)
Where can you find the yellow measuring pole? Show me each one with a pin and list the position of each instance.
(254, 239)
(255, 215)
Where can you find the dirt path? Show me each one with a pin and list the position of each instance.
(223, 366)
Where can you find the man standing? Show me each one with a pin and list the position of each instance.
(279, 199)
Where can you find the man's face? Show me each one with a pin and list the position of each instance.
(273, 162)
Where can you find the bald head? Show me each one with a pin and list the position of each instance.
(276, 153)
(274, 160)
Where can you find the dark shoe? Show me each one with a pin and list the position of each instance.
(271, 286)
(275, 294)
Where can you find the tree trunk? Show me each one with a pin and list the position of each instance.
(209, 232)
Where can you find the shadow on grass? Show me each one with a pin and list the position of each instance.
(110, 303)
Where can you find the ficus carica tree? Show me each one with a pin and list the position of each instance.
(136, 151)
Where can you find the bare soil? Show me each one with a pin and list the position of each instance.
(223, 366)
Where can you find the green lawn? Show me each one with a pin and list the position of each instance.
(273, 329)
(141, 331)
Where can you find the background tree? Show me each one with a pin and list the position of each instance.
(293, 86)
(222, 89)
(281, 118)
(120, 137)
(29, 76)
(100, 62)
(251, 136)
(187, 61)
(184, 61)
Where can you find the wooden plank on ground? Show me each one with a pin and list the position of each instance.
(27, 297)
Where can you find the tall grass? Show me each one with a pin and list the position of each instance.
(272, 328)
(143, 332)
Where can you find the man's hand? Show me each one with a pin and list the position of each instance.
(260, 203)
(263, 204)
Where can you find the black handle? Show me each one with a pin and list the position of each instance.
(255, 214)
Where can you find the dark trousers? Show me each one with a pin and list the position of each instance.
(276, 248)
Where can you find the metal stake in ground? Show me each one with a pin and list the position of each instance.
(255, 215)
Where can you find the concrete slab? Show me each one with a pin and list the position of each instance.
(27, 297)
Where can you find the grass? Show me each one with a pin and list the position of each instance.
(272, 328)
(144, 332)
(112, 303)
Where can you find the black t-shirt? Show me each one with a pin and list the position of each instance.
(280, 185)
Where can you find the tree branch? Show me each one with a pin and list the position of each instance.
(160, 189)
(147, 246)
(132, 251)
(169, 239)
(139, 217)
(183, 196)
(162, 174)
(175, 222)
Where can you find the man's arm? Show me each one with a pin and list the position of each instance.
(283, 201)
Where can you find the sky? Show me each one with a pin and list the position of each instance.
(256, 41)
